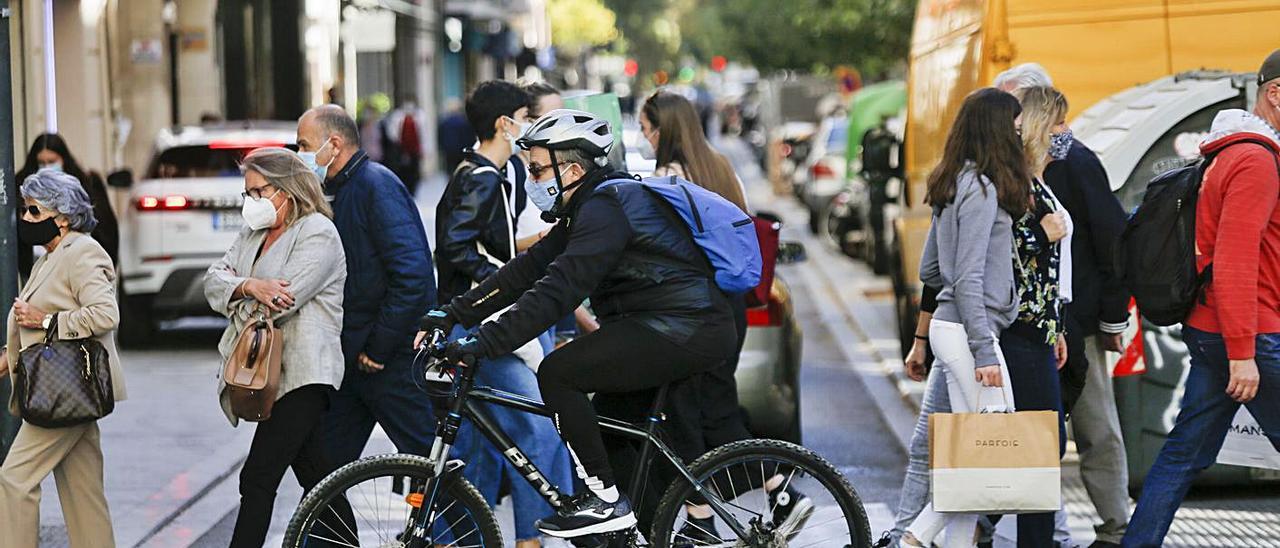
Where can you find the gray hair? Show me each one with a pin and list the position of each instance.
(62, 194)
(334, 119)
(1026, 75)
(581, 158)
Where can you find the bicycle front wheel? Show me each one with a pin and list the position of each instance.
(778, 493)
(377, 501)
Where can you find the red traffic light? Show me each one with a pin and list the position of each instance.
(718, 63)
(631, 68)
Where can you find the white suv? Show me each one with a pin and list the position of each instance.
(182, 216)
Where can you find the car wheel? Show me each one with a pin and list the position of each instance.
(815, 222)
(905, 309)
(878, 254)
(137, 324)
(833, 227)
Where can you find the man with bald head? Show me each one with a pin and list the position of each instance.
(389, 286)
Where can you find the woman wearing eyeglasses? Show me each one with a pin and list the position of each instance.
(71, 290)
(287, 263)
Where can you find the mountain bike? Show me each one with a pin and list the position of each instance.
(411, 501)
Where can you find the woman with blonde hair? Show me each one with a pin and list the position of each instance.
(1035, 345)
(288, 262)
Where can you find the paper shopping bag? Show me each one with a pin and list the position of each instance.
(997, 463)
(1247, 445)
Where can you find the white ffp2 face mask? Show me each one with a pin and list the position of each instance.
(258, 213)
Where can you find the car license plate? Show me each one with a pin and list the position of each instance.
(227, 221)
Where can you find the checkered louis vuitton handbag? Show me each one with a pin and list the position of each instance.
(59, 383)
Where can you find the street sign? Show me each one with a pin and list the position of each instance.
(146, 52)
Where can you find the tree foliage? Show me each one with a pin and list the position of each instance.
(579, 24)
(872, 35)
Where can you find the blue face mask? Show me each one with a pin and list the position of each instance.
(1060, 144)
(542, 193)
(55, 167)
(309, 158)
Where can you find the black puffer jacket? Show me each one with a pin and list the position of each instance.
(621, 247)
(474, 229)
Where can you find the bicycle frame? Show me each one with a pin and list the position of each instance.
(465, 403)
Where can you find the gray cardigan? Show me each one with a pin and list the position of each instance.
(969, 255)
(309, 256)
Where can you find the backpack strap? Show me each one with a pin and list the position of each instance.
(1206, 276)
(669, 211)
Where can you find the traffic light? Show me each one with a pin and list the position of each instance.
(631, 68)
(718, 63)
(661, 78)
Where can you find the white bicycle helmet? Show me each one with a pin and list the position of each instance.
(567, 129)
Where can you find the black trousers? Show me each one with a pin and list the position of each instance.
(289, 439)
(622, 358)
(717, 392)
(702, 413)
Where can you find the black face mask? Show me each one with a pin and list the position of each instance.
(38, 233)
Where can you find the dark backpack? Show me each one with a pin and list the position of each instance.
(1156, 254)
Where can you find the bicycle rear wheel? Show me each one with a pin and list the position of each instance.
(385, 496)
(780, 493)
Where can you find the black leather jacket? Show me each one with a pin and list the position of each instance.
(474, 228)
(621, 247)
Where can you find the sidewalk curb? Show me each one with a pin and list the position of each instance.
(188, 489)
(894, 396)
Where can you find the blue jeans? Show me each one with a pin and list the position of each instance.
(488, 470)
(1201, 427)
(1033, 371)
(390, 398)
(915, 486)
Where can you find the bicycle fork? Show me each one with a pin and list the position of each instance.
(445, 471)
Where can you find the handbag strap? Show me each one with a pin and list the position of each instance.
(51, 334)
(255, 346)
(1006, 407)
(258, 307)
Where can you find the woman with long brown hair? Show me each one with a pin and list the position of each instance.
(50, 151)
(976, 192)
(672, 126)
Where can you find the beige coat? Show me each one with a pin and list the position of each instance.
(309, 255)
(78, 281)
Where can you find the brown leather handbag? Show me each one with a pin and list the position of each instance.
(252, 372)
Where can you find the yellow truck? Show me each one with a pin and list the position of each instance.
(1091, 48)
(1134, 72)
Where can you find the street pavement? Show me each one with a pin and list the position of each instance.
(172, 459)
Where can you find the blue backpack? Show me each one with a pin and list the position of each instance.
(726, 235)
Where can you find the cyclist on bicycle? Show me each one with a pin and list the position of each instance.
(662, 316)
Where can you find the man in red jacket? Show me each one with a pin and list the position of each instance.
(1233, 333)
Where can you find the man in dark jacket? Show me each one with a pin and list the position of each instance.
(475, 219)
(389, 285)
(662, 316)
(1097, 315)
(475, 236)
